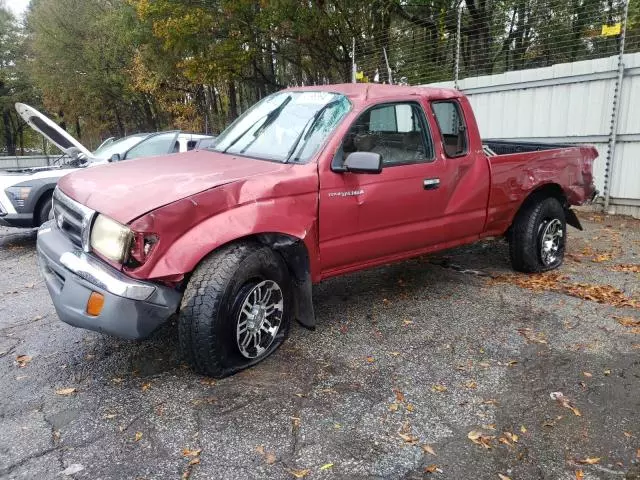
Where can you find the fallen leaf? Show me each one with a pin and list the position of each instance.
(146, 386)
(471, 384)
(370, 359)
(628, 321)
(433, 468)
(603, 257)
(109, 416)
(531, 336)
(300, 473)
(587, 374)
(393, 407)
(138, 436)
(399, 396)
(512, 363)
(564, 401)
(326, 466)
(209, 382)
(65, 391)
(589, 461)
(408, 438)
(630, 268)
(191, 453)
(428, 449)
(480, 438)
(270, 459)
(439, 388)
(579, 474)
(194, 461)
(607, 373)
(503, 477)
(628, 434)
(23, 360)
(295, 421)
(523, 429)
(511, 436)
(491, 401)
(490, 426)
(394, 354)
(484, 364)
(410, 407)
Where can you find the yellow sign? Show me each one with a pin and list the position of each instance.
(359, 76)
(611, 30)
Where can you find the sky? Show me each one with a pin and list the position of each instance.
(17, 6)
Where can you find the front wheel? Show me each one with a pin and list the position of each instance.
(538, 236)
(236, 309)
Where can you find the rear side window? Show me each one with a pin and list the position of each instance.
(396, 131)
(452, 126)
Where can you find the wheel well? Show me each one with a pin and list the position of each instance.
(295, 255)
(44, 197)
(547, 190)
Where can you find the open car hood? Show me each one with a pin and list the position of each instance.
(52, 131)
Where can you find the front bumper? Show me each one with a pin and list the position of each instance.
(20, 220)
(132, 309)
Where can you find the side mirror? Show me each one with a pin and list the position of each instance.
(363, 162)
(115, 157)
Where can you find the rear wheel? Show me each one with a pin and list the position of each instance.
(236, 309)
(538, 236)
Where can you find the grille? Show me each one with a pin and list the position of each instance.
(72, 218)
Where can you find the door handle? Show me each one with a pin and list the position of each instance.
(431, 183)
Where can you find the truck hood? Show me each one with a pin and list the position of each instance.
(127, 190)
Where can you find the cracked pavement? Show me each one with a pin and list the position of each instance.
(404, 357)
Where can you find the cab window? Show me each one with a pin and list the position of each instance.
(396, 131)
(453, 129)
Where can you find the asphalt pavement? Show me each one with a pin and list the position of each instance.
(449, 367)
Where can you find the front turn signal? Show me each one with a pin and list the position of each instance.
(95, 304)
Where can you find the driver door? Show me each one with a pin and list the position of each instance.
(387, 215)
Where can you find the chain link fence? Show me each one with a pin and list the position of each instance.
(434, 41)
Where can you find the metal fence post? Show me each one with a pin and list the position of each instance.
(615, 111)
(457, 67)
(353, 61)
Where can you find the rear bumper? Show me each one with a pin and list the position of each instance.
(132, 309)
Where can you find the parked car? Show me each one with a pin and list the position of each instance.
(25, 194)
(308, 184)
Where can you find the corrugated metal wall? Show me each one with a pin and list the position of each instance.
(568, 103)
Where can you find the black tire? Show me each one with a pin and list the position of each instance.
(43, 209)
(209, 313)
(527, 232)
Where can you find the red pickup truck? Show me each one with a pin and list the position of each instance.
(309, 183)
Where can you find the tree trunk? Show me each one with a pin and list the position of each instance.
(9, 139)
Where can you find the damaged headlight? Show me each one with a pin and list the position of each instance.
(111, 239)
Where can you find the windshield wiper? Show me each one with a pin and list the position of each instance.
(308, 128)
(269, 118)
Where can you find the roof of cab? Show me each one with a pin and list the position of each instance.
(364, 92)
